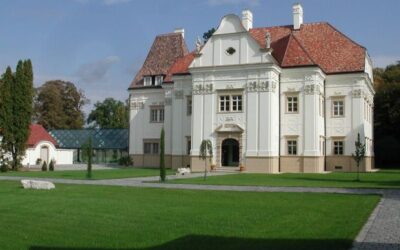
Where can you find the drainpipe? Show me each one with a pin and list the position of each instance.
(325, 137)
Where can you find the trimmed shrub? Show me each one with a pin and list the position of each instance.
(44, 166)
(3, 167)
(125, 161)
(51, 165)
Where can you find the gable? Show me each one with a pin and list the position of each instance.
(231, 36)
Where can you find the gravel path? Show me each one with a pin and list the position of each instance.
(382, 230)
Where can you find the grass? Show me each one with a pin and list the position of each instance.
(97, 174)
(381, 179)
(105, 217)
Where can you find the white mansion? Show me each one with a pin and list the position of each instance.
(272, 99)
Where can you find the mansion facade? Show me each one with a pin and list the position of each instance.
(287, 98)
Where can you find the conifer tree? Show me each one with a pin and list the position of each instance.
(16, 110)
(162, 156)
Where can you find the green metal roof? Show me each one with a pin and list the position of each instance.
(101, 138)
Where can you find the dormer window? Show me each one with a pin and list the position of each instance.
(159, 80)
(147, 81)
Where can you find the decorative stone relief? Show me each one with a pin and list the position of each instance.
(168, 101)
(262, 86)
(311, 89)
(178, 94)
(135, 105)
(201, 89)
(357, 93)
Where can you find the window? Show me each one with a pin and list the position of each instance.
(338, 147)
(147, 81)
(338, 107)
(321, 106)
(236, 103)
(292, 147)
(230, 103)
(159, 80)
(157, 114)
(151, 147)
(224, 101)
(189, 105)
(292, 104)
(188, 145)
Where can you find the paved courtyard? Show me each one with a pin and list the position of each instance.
(382, 230)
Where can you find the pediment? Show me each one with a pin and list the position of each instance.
(229, 127)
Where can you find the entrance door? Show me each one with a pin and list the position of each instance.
(230, 153)
(44, 154)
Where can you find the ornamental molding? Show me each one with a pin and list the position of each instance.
(311, 89)
(262, 86)
(168, 101)
(178, 94)
(135, 105)
(201, 89)
(357, 93)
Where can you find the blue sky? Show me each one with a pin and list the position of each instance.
(100, 44)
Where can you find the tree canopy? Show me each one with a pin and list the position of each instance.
(208, 34)
(387, 114)
(58, 105)
(109, 113)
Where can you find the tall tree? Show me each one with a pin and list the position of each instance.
(58, 105)
(387, 115)
(16, 110)
(109, 114)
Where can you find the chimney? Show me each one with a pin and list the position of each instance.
(247, 19)
(180, 31)
(297, 16)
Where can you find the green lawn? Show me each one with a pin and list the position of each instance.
(381, 179)
(96, 174)
(106, 217)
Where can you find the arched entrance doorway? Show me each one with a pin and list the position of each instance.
(44, 154)
(230, 153)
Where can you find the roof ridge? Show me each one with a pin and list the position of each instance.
(302, 47)
(348, 38)
(287, 46)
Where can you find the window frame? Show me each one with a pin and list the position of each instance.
(158, 80)
(292, 102)
(189, 105)
(342, 100)
(157, 112)
(147, 81)
(291, 146)
(334, 141)
(153, 146)
(230, 101)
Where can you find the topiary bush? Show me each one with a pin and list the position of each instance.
(125, 161)
(44, 166)
(51, 165)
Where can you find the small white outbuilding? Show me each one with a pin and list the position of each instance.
(41, 146)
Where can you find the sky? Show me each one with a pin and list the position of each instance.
(99, 45)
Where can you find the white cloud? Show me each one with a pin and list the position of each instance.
(224, 2)
(383, 61)
(96, 71)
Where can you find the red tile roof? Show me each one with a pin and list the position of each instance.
(314, 44)
(181, 66)
(37, 134)
(163, 53)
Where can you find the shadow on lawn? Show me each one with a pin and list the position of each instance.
(393, 184)
(215, 242)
